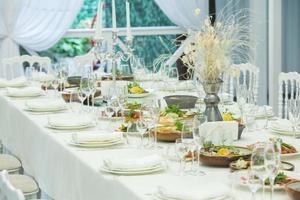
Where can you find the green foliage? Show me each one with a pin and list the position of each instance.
(143, 14)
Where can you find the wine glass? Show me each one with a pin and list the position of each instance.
(181, 153)
(293, 107)
(253, 183)
(55, 84)
(258, 165)
(198, 137)
(173, 78)
(241, 94)
(142, 129)
(83, 89)
(93, 86)
(272, 161)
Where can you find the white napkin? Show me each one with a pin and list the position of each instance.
(3, 83)
(17, 82)
(220, 133)
(42, 77)
(45, 104)
(69, 120)
(132, 163)
(181, 191)
(94, 137)
(24, 92)
(282, 125)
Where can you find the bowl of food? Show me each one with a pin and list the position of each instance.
(74, 80)
(222, 156)
(182, 101)
(135, 90)
(293, 190)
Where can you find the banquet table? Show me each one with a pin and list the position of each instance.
(69, 173)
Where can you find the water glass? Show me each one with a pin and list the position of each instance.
(293, 107)
(181, 152)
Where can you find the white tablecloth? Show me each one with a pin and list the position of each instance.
(69, 173)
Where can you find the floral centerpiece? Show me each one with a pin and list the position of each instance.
(213, 50)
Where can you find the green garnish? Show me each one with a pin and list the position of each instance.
(173, 109)
(133, 106)
(133, 84)
(179, 125)
(280, 178)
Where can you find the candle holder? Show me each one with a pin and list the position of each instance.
(100, 52)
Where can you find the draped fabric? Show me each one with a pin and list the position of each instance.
(182, 12)
(35, 25)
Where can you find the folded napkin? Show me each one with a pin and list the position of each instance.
(42, 77)
(94, 137)
(3, 83)
(282, 125)
(24, 92)
(69, 120)
(219, 133)
(46, 104)
(17, 82)
(181, 191)
(133, 163)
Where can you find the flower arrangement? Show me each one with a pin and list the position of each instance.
(215, 46)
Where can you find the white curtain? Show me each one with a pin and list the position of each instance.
(35, 25)
(182, 12)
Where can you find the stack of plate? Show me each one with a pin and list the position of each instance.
(95, 140)
(45, 105)
(133, 166)
(263, 112)
(24, 92)
(17, 82)
(69, 122)
(283, 127)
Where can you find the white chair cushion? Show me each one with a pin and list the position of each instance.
(24, 183)
(9, 163)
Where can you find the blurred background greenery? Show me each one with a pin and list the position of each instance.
(143, 14)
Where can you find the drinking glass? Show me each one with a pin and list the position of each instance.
(83, 89)
(181, 152)
(249, 117)
(93, 86)
(142, 129)
(293, 107)
(253, 183)
(272, 161)
(258, 165)
(173, 78)
(55, 84)
(241, 94)
(198, 137)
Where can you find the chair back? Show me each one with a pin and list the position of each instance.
(7, 191)
(245, 74)
(288, 89)
(11, 66)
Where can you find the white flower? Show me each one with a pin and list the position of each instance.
(197, 11)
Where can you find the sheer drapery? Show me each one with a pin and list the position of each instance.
(35, 25)
(182, 12)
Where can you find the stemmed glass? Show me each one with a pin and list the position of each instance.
(83, 90)
(293, 107)
(55, 84)
(181, 151)
(142, 129)
(258, 165)
(272, 161)
(93, 86)
(173, 78)
(253, 183)
(241, 98)
(198, 137)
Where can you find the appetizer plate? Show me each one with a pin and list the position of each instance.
(290, 155)
(46, 109)
(70, 127)
(242, 179)
(224, 161)
(284, 132)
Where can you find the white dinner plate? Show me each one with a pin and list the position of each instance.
(284, 132)
(45, 109)
(70, 127)
(133, 172)
(96, 144)
(25, 95)
(139, 95)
